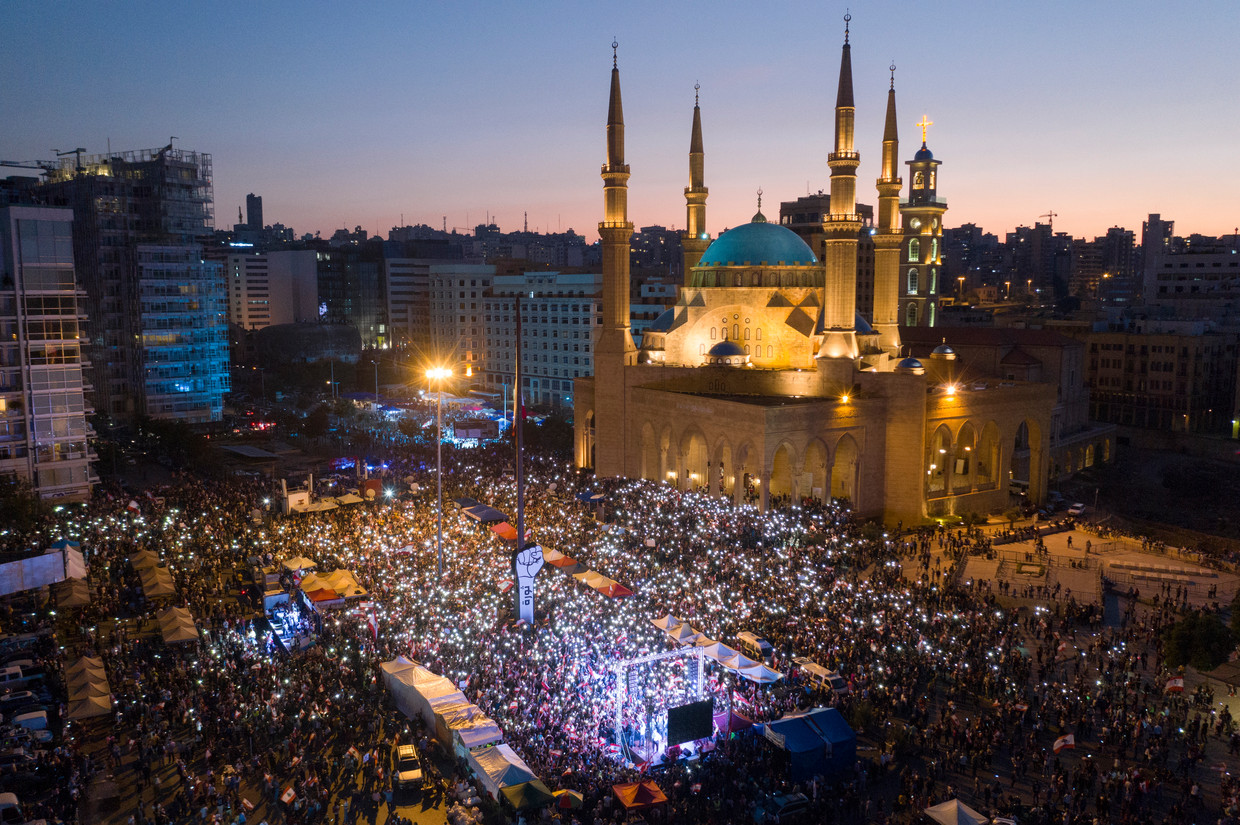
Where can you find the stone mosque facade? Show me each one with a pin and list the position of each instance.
(763, 383)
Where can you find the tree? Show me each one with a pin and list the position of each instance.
(1200, 640)
(315, 424)
(21, 509)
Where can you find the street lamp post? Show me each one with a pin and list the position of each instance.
(438, 374)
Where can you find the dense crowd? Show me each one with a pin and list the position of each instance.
(955, 694)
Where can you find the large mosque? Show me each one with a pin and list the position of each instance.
(763, 382)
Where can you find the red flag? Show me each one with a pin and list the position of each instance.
(1068, 741)
(288, 796)
(1175, 684)
(374, 624)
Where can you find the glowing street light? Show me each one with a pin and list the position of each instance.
(438, 375)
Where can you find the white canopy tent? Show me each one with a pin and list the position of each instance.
(499, 767)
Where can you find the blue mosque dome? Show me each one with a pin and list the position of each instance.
(923, 154)
(725, 349)
(758, 242)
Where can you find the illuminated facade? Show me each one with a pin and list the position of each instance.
(921, 261)
(763, 382)
(155, 310)
(44, 434)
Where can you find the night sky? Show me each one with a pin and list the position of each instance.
(352, 114)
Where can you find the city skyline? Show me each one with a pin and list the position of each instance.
(439, 114)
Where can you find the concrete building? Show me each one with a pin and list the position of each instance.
(1173, 376)
(44, 434)
(457, 334)
(560, 314)
(351, 289)
(267, 288)
(761, 382)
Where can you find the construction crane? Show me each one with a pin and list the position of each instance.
(1050, 220)
(77, 153)
(44, 165)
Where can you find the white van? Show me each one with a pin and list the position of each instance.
(820, 678)
(754, 646)
(10, 675)
(34, 720)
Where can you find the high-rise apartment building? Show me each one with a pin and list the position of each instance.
(351, 290)
(457, 293)
(156, 327)
(44, 435)
(268, 288)
(560, 313)
(254, 211)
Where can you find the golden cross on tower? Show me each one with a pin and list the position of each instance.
(923, 125)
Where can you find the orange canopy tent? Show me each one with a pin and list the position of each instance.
(505, 531)
(636, 796)
(615, 591)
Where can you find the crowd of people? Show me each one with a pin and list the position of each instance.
(952, 694)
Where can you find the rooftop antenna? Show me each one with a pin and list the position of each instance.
(526, 225)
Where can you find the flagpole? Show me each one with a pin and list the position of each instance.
(517, 420)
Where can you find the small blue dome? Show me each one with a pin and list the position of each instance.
(726, 349)
(910, 364)
(759, 242)
(943, 349)
(923, 154)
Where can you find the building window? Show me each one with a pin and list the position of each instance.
(912, 281)
(934, 282)
(914, 250)
(910, 316)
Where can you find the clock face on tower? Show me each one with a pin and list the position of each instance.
(914, 223)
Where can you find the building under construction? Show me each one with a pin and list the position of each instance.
(156, 311)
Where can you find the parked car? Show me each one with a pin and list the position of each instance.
(1077, 509)
(408, 773)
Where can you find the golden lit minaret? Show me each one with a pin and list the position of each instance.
(888, 238)
(613, 350)
(695, 238)
(842, 225)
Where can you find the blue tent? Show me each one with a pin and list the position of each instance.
(590, 498)
(485, 514)
(818, 742)
(840, 738)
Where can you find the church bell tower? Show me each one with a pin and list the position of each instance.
(922, 258)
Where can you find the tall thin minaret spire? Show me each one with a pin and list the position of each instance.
(888, 238)
(614, 350)
(842, 225)
(695, 238)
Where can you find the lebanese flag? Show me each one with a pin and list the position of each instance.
(1062, 742)
(374, 624)
(505, 585)
(1062, 647)
(133, 506)
(357, 756)
(1175, 684)
(288, 796)
(247, 804)
(740, 697)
